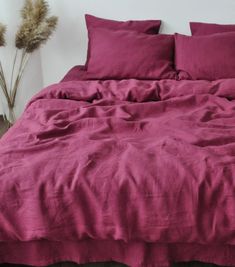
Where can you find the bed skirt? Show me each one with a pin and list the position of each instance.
(134, 254)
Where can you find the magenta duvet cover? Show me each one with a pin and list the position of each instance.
(139, 172)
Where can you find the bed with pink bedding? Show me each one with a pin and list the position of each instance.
(138, 172)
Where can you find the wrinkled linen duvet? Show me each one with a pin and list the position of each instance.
(139, 172)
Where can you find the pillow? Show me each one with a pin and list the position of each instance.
(144, 26)
(76, 73)
(209, 57)
(199, 28)
(129, 54)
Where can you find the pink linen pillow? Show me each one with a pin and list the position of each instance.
(208, 57)
(129, 54)
(76, 73)
(200, 28)
(144, 26)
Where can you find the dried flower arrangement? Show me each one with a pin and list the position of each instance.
(35, 29)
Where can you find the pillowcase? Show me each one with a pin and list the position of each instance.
(199, 28)
(129, 54)
(208, 57)
(144, 26)
(76, 73)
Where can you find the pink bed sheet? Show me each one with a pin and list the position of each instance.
(140, 172)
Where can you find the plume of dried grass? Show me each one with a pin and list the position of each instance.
(40, 11)
(36, 27)
(27, 10)
(2, 34)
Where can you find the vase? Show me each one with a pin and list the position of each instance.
(11, 116)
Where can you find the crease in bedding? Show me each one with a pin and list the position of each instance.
(140, 172)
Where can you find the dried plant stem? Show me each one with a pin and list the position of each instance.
(23, 63)
(4, 85)
(13, 68)
(10, 93)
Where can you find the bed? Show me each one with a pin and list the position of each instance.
(115, 167)
(96, 171)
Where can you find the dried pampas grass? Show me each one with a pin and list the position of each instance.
(27, 9)
(36, 27)
(2, 34)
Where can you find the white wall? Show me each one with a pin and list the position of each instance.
(32, 81)
(68, 46)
